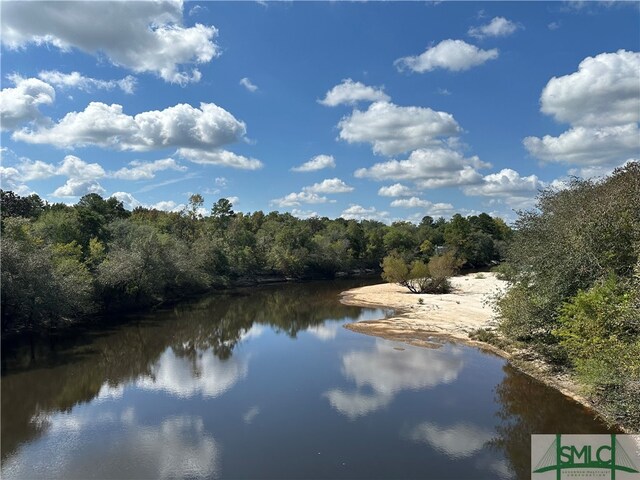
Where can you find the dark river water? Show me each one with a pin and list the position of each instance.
(267, 384)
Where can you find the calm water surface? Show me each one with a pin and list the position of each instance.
(267, 384)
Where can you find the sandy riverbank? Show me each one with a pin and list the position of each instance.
(465, 309)
(453, 315)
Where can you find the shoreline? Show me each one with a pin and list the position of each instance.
(101, 316)
(453, 316)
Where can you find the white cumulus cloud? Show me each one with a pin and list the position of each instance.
(246, 83)
(329, 185)
(35, 170)
(220, 157)
(392, 129)
(167, 206)
(601, 102)
(82, 177)
(295, 199)
(588, 146)
(128, 201)
(497, 27)
(454, 55)
(349, 92)
(395, 190)
(140, 36)
(78, 188)
(316, 163)
(430, 207)
(311, 193)
(182, 125)
(220, 182)
(233, 200)
(604, 91)
(303, 214)
(429, 168)
(139, 170)
(508, 183)
(10, 180)
(358, 212)
(79, 81)
(76, 168)
(20, 104)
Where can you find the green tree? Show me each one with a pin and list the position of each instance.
(41, 284)
(401, 237)
(576, 237)
(192, 210)
(574, 265)
(60, 225)
(14, 205)
(395, 269)
(223, 208)
(420, 277)
(441, 269)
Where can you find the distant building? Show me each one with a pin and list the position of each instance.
(440, 249)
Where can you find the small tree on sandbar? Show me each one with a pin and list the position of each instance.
(419, 277)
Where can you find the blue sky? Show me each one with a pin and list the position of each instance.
(389, 111)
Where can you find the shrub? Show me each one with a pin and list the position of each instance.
(490, 337)
(441, 268)
(420, 278)
(504, 271)
(483, 335)
(395, 269)
(594, 316)
(599, 328)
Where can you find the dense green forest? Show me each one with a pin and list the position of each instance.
(61, 263)
(574, 268)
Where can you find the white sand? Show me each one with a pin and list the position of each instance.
(467, 308)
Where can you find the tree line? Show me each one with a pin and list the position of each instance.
(574, 269)
(61, 263)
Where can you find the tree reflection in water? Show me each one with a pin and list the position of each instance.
(527, 407)
(56, 373)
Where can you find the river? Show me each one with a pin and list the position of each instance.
(266, 383)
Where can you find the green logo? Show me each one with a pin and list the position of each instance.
(585, 456)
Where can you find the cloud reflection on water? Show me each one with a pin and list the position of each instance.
(463, 440)
(458, 441)
(328, 330)
(177, 447)
(386, 371)
(202, 373)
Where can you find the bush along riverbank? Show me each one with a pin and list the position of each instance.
(574, 300)
(62, 263)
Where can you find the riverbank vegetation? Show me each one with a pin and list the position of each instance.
(444, 247)
(421, 277)
(61, 263)
(574, 268)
